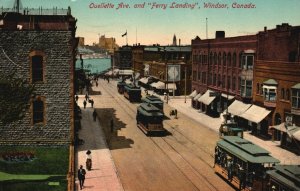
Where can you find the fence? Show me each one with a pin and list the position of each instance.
(38, 11)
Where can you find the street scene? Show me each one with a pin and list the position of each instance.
(154, 96)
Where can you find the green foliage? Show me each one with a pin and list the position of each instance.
(15, 94)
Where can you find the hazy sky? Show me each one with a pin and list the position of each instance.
(158, 25)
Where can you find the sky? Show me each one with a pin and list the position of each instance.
(158, 25)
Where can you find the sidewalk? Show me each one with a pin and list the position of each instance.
(103, 176)
(274, 148)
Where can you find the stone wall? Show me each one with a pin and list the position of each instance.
(15, 47)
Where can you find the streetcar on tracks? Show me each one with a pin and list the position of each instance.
(120, 86)
(242, 163)
(132, 93)
(230, 129)
(284, 177)
(150, 119)
(154, 100)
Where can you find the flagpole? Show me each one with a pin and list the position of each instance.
(126, 38)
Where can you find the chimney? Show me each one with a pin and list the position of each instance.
(265, 29)
(220, 34)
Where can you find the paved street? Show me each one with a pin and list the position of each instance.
(126, 159)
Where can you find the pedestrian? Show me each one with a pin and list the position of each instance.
(76, 97)
(94, 115)
(89, 160)
(81, 176)
(86, 97)
(111, 126)
(107, 79)
(92, 103)
(84, 104)
(175, 113)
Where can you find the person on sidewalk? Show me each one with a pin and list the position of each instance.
(86, 97)
(84, 104)
(92, 102)
(94, 115)
(81, 176)
(76, 98)
(89, 160)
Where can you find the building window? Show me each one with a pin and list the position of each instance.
(194, 75)
(228, 83)
(224, 59)
(288, 94)
(38, 111)
(282, 93)
(215, 59)
(215, 80)
(269, 93)
(234, 60)
(261, 89)
(223, 81)
(219, 59)
(296, 98)
(247, 62)
(203, 77)
(36, 66)
(229, 60)
(219, 80)
(246, 88)
(233, 83)
(292, 56)
(257, 88)
(199, 75)
(210, 59)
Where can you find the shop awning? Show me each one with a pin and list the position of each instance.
(230, 97)
(238, 107)
(297, 86)
(171, 86)
(255, 114)
(125, 72)
(206, 99)
(281, 127)
(294, 131)
(144, 80)
(193, 94)
(197, 96)
(270, 82)
(158, 85)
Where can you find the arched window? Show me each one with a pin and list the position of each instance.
(215, 59)
(36, 66)
(224, 59)
(38, 110)
(219, 59)
(234, 60)
(229, 60)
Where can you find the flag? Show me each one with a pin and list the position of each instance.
(125, 34)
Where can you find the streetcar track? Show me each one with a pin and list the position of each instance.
(128, 106)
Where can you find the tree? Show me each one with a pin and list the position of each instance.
(15, 95)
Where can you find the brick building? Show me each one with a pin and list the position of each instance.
(277, 77)
(225, 66)
(123, 58)
(41, 49)
(166, 64)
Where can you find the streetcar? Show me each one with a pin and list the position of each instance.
(149, 119)
(231, 129)
(154, 100)
(132, 93)
(284, 177)
(120, 86)
(242, 163)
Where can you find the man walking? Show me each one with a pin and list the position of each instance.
(84, 104)
(81, 176)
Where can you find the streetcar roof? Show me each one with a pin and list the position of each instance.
(149, 110)
(246, 150)
(152, 100)
(132, 87)
(289, 175)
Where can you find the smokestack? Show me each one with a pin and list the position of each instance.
(220, 34)
(179, 42)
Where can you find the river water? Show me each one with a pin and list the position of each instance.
(95, 65)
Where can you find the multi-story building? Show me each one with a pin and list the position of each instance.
(81, 41)
(168, 64)
(108, 43)
(225, 66)
(261, 72)
(123, 58)
(41, 49)
(277, 76)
